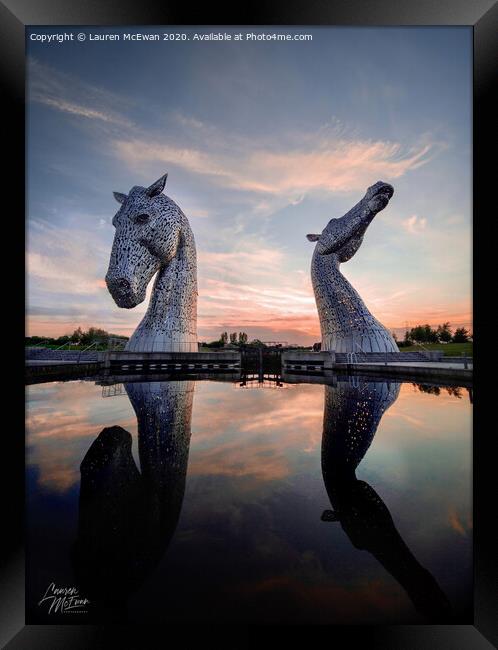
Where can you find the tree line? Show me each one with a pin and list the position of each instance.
(235, 338)
(79, 337)
(440, 334)
(97, 335)
(418, 334)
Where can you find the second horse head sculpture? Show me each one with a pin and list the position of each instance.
(346, 323)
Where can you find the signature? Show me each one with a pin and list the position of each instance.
(65, 600)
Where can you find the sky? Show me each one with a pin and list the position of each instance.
(263, 142)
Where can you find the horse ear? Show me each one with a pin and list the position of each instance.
(312, 237)
(120, 198)
(157, 187)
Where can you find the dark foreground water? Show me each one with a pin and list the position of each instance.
(185, 501)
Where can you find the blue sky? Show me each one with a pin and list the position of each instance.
(263, 142)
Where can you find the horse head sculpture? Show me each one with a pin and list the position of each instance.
(346, 323)
(152, 237)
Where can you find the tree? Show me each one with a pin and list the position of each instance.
(36, 340)
(94, 335)
(444, 333)
(77, 335)
(461, 335)
(233, 337)
(224, 338)
(423, 334)
(242, 338)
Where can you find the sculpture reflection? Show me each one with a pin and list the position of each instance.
(352, 414)
(126, 517)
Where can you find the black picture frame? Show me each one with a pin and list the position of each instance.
(482, 15)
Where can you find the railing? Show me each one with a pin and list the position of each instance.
(63, 345)
(89, 347)
(426, 350)
(115, 344)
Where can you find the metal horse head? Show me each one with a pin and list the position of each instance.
(154, 236)
(146, 238)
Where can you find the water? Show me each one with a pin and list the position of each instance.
(347, 503)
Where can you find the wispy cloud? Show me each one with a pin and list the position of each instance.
(68, 94)
(81, 111)
(330, 164)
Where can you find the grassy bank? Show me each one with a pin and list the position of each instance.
(448, 349)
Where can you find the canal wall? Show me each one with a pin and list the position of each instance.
(167, 360)
(405, 365)
(58, 371)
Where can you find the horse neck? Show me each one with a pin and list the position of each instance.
(165, 295)
(333, 288)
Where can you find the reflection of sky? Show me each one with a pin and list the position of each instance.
(250, 523)
(263, 142)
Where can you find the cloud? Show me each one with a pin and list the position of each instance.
(81, 111)
(59, 276)
(414, 224)
(246, 280)
(258, 289)
(70, 95)
(318, 164)
(65, 261)
(332, 158)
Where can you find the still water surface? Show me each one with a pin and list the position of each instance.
(180, 501)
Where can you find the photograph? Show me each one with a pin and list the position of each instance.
(251, 294)
(249, 325)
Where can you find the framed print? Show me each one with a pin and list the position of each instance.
(256, 267)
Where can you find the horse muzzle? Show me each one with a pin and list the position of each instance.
(124, 295)
(378, 196)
